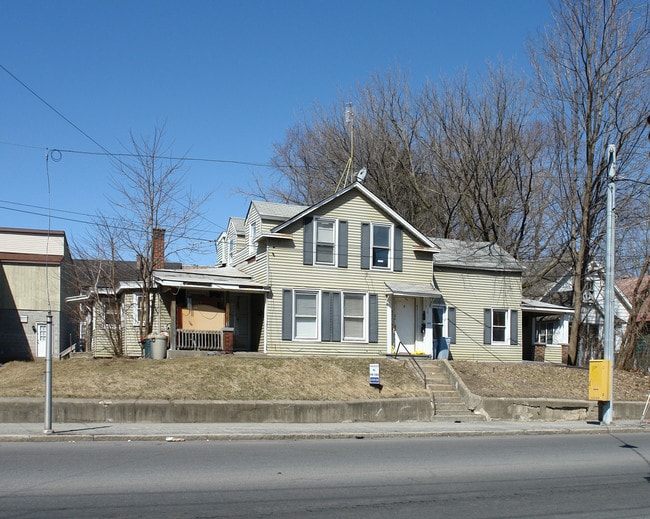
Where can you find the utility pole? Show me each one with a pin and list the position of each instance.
(608, 331)
(47, 428)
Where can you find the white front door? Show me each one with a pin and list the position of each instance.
(41, 339)
(412, 319)
(404, 321)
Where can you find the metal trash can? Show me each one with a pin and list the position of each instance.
(159, 347)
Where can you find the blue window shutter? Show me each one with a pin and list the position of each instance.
(514, 327)
(451, 324)
(398, 248)
(331, 317)
(287, 315)
(343, 244)
(336, 316)
(308, 241)
(365, 246)
(373, 331)
(487, 326)
(326, 317)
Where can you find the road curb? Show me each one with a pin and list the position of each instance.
(328, 435)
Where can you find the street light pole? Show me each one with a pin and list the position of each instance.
(608, 331)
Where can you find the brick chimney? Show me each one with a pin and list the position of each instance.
(158, 249)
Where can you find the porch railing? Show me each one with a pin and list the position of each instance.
(204, 340)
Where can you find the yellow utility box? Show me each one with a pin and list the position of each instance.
(600, 377)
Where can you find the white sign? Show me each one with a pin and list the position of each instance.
(374, 373)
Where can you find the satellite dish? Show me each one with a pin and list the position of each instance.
(361, 175)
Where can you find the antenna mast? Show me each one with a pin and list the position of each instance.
(349, 124)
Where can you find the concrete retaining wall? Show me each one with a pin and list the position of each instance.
(31, 410)
(527, 409)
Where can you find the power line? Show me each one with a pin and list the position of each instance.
(24, 85)
(86, 222)
(51, 152)
(135, 155)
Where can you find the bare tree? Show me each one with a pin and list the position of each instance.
(149, 201)
(592, 78)
(485, 153)
(456, 162)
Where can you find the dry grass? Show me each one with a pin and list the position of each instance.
(233, 377)
(219, 377)
(536, 380)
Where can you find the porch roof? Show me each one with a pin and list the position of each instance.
(540, 307)
(413, 290)
(213, 278)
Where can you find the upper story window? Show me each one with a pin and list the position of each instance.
(252, 236)
(381, 246)
(325, 242)
(231, 249)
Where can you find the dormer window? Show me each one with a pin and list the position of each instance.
(252, 236)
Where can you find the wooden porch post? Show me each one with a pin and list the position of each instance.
(172, 330)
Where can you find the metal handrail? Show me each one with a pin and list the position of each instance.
(413, 360)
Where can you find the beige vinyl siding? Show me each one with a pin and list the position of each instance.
(238, 241)
(32, 287)
(26, 243)
(470, 292)
(553, 353)
(286, 271)
(102, 345)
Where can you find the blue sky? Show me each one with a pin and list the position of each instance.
(226, 78)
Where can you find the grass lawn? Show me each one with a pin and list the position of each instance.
(233, 377)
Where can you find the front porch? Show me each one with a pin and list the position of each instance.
(212, 309)
(204, 340)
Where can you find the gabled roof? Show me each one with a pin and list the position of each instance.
(275, 211)
(365, 192)
(474, 255)
(627, 286)
(238, 224)
(94, 273)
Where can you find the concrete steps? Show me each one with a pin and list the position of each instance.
(448, 405)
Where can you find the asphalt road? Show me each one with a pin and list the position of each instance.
(576, 476)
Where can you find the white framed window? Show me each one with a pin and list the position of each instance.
(305, 317)
(112, 314)
(138, 309)
(355, 316)
(325, 242)
(252, 236)
(381, 245)
(231, 249)
(545, 332)
(500, 326)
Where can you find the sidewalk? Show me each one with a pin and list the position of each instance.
(173, 432)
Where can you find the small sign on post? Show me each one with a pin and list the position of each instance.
(374, 374)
